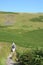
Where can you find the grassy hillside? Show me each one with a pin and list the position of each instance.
(23, 38)
(25, 29)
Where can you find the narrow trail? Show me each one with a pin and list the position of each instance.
(9, 60)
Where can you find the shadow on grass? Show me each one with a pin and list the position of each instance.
(37, 19)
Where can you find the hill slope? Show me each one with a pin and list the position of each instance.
(25, 29)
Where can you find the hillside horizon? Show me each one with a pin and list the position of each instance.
(21, 12)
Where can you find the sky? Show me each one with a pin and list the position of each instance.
(21, 5)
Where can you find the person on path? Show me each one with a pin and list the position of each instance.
(13, 48)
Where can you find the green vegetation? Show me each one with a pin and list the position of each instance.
(22, 37)
(4, 52)
(26, 30)
(39, 19)
(1, 12)
(29, 58)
